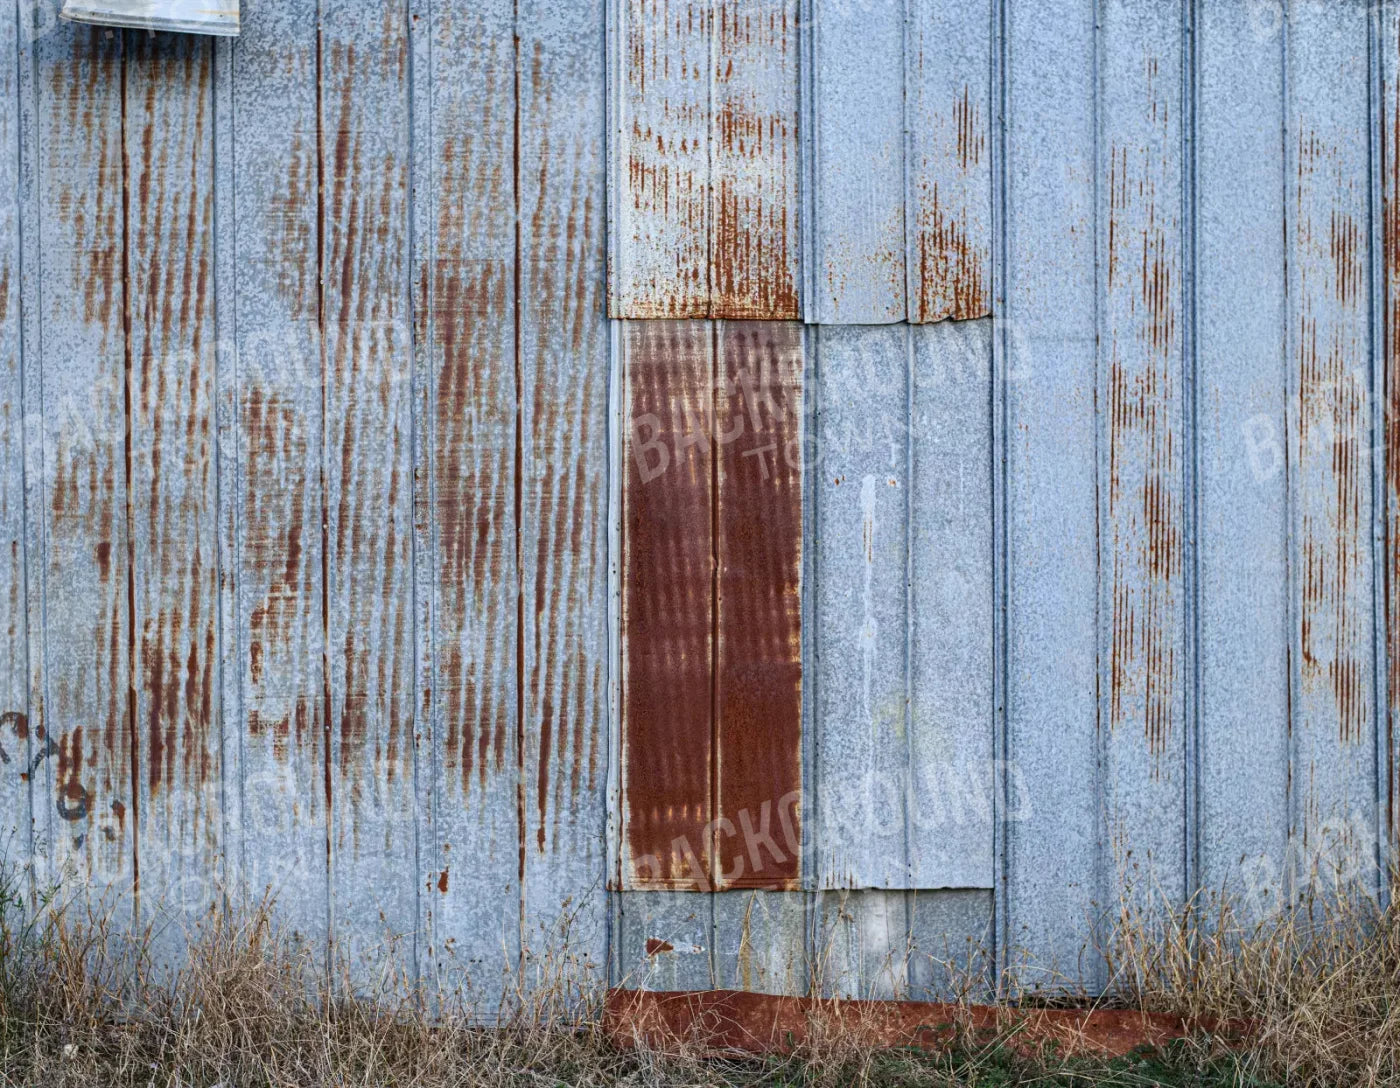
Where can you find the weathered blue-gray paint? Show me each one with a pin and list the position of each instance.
(309, 461)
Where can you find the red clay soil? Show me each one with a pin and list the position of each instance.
(731, 1020)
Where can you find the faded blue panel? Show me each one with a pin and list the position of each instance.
(1051, 728)
(564, 546)
(950, 607)
(855, 163)
(16, 786)
(1241, 385)
(1333, 774)
(948, 172)
(1143, 446)
(861, 571)
(904, 945)
(662, 941)
(272, 448)
(760, 941)
(950, 944)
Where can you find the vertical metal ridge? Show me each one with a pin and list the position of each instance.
(1290, 416)
(416, 420)
(25, 222)
(1191, 864)
(133, 730)
(908, 793)
(519, 501)
(1001, 541)
(227, 680)
(1376, 267)
(326, 694)
(808, 149)
(1103, 827)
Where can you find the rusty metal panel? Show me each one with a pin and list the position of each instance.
(948, 176)
(758, 626)
(466, 281)
(1334, 712)
(1051, 484)
(564, 365)
(704, 159)
(172, 511)
(668, 749)
(16, 788)
(711, 612)
(1142, 436)
(366, 367)
(82, 726)
(1241, 482)
(276, 706)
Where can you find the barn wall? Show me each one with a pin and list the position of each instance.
(1076, 591)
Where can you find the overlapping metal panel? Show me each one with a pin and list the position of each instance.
(317, 473)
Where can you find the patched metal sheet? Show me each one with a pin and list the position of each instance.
(898, 161)
(711, 730)
(903, 781)
(704, 159)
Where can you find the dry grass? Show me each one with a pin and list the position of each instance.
(81, 1006)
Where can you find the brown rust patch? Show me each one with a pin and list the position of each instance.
(563, 344)
(667, 603)
(758, 701)
(656, 946)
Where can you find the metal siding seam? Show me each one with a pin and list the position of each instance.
(1190, 863)
(1000, 930)
(1291, 456)
(908, 793)
(422, 255)
(1377, 460)
(12, 281)
(808, 151)
(1102, 828)
(227, 694)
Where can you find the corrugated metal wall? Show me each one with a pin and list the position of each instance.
(331, 359)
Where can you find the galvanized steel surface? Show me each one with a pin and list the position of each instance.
(334, 569)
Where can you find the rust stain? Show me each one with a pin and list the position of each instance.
(366, 352)
(473, 461)
(1332, 430)
(667, 190)
(758, 701)
(733, 1021)
(564, 481)
(1145, 474)
(952, 242)
(656, 946)
(667, 605)
(172, 501)
(80, 180)
(753, 236)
